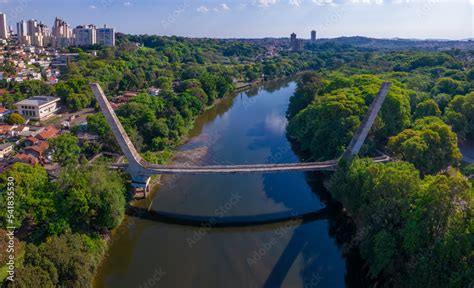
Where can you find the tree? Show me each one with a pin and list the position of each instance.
(413, 232)
(34, 196)
(310, 84)
(15, 119)
(69, 260)
(450, 86)
(65, 149)
(431, 145)
(460, 115)
(93, 196)
(427, 108)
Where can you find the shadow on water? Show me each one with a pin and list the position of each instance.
(225, 222)
(341, 229)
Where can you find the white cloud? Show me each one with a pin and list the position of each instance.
(324, 2)
(265, 3)
(378, 2)
(224, 6)
(92, 7)
(296, 3)
(127, 4)
(202, 9)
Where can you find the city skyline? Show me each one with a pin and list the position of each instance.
(218, 19)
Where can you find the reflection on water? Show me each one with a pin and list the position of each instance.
(194, 252)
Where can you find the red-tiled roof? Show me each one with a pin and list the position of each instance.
(3, 109)
(6, 127)
(40, 148)
(26, 158)
(48, 132)
(32, 139)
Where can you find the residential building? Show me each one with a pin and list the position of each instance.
(62, 35)
(292, 40)
(295, 43)
(25, 158)
(22, 32)
(47, 133)
(313, 37)
(105, 36)
(5, 149)
(4, 113)
(30, 141)
(38, 150)
(38, 107)
(3, 26)
(31, 27)
(85, 35)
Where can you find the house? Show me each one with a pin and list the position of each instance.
(47, 133)
(25, 158)
(37, 150)
(6, 131)
(30, 141)
(4, 113)
(5, 149)
(23, 130)
(38, 107)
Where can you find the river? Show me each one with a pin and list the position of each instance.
(298, 252)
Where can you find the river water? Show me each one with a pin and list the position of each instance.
(297, 252)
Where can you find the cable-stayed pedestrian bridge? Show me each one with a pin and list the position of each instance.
(141, 170)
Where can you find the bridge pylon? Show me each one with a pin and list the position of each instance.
(361, 134)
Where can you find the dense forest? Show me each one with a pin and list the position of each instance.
(413, 215)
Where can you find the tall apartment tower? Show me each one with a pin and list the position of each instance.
(22, 31)
(313, 37)
(106, 36)
(32, 27)
(3, 26)
(62, 34)
(85, 35)
(292, 40)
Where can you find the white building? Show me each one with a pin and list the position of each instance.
(106, 36)
(38, 107)
(5, 149)
(85, 35)
(22, 31)
(3, 26)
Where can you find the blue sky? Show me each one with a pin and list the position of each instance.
(447, 19)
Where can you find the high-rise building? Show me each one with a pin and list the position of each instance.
(85, 35)
(33, 32)
(32, 27)
(296, 44)
(313, 36)
(61, 29)
(22, 32)
(61, 34)
(3, 26)
(106, 36)
(292, 40)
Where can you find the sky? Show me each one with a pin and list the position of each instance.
(422, 19)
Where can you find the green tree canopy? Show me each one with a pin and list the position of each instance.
(430, 145)
(65, 149)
